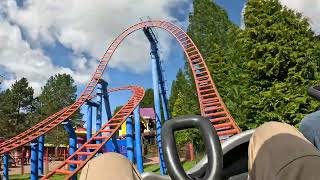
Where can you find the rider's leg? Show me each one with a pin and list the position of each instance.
(310, 128)
(278, 151)
(109, 166)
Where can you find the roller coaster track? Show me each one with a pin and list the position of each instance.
(210, 102)
(89, 149)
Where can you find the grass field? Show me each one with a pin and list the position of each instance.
(27, 177)
(148, 168)
(156, 169)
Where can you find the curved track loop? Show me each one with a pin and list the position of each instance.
(89, 149)
(33, 128)
(211, 104)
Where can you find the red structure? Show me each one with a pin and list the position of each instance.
(210, 102)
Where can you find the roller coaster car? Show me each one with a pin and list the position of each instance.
(226, 161)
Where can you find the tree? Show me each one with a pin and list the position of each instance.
(116, 110)
(58, 92)
(215, 36)
(148, 100)
(183, 137)
(16, 108)
(183, 86)
(183, 101)
(281, 59)
(1, 80)
(210, 26)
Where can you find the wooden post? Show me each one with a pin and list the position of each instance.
(64, 154)
(22, 160)
(190, 152)
(46, 161)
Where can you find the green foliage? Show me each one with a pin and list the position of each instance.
(181, 90)
(215, 35)
(281, 58)
(182, 107)
(116, 109)
(209, 25)
(183, 101)
(58, 92)
(148, 100)
(16, 108)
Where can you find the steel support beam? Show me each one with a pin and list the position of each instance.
(109, 114)
(163, 92)
(89, 122)
(99, 110)
(72, 143)
(6, 166)
(155, 55)
(137, 136)
(34, 160)
(129, 139)
(90, 104)
(40, 154)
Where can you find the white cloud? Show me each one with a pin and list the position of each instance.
(309, 8)
(86, 27)
(242, 25)
(17, 57)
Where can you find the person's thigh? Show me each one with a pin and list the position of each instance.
(109, 166)
(274, 147)
(310, 128)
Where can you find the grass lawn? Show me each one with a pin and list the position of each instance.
(27, 177)
(148, 168)
(156, 169)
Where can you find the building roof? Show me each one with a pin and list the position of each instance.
(147, 113)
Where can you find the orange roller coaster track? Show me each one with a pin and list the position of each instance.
(211, 104)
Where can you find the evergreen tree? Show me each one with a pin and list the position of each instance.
(281, 57)
(215, 35)
(16, 108)
(209, 26)
(116, 109)
(183, 101)
(180, 108)
(148, 100)
(58, 92)
(183, 86)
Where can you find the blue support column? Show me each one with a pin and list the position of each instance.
(40, 155)
(99, 110)
(34, 160)
(72, 143)
(160, 79)
(158, 113)
(163, 92)
(89, 122)
(90, 104)
(137, 136)
(6, 166)
(129, 139)
(109, 114)
(155, 78)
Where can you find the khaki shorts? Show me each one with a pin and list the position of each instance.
(109, 166)
(278, 151)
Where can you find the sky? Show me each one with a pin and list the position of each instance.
(40, 38)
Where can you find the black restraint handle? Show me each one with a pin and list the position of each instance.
(209, 137)
(314, 91)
